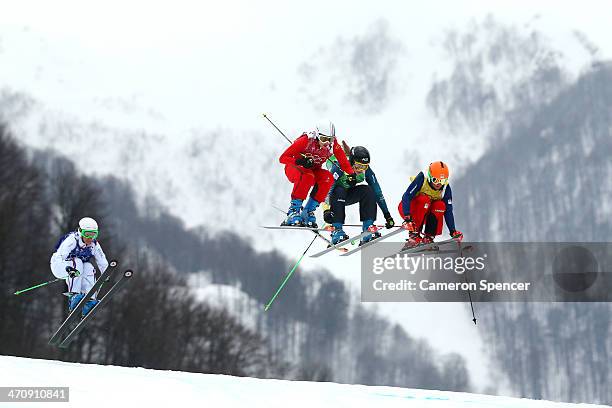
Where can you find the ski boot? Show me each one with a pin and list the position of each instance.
(308, 217)
(294, 217)
(73, 300)
(338, 235)
(89, 305)
(414, 239)
(427, 239)
(368, 225)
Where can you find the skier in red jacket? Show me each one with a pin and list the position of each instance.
(303, 161)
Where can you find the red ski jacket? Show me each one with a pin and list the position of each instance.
(309, 147)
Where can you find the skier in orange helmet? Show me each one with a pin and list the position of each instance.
(428, 200)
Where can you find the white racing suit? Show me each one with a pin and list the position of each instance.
(73, 252)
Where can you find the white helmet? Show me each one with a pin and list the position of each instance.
(325, 128)
(88, 223)
(88, 227)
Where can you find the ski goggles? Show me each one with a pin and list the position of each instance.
(360, 167)
(435, 180)
(89, 234)
(325, 139)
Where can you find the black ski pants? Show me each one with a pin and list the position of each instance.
(341, 197)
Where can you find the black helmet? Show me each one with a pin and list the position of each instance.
(359, 154)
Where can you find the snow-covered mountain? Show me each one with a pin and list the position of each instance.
(558, 159)
(220, 167)
(549, 181)
(128, 386)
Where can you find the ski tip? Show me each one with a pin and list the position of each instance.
(292, 228)
(113, 263)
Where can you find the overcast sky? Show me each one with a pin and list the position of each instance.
(124, 48)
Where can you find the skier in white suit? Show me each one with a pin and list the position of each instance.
(72, 260)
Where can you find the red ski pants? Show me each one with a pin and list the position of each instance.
(422, 209)
(304, 179)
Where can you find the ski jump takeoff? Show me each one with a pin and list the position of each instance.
(426, 201)
(303, 161)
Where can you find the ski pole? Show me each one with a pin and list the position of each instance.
(466, 281)
(289, 275)
(286, 138)
(276, 127)
(38, 286)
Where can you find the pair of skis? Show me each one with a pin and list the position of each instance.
(374, 241)
(355, 238)
(331, 247)
(64, 336)
(341, 245)
(434, 248)
(316, 231)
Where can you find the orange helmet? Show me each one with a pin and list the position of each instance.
(438, 173)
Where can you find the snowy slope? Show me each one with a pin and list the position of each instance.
(103, 386)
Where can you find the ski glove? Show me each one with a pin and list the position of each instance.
(390, 222)
(328, 216)
(305, 162)
(457, 235)
(351, 179)
(72, 272)
(408, 224)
